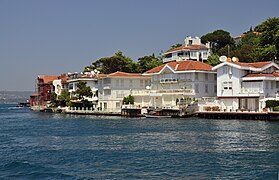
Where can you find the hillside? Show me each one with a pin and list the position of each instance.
(13, 97)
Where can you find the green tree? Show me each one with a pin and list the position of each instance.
(148, 62)
(213, 60)
(269, 38)
(129, 100)
(83, 92)
(64, 98)
(175, 46)
(53, 99)
(218, 39)
(118, 62)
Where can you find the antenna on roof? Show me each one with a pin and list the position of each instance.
(223, 58)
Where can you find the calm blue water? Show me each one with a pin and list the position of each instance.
(56, 146)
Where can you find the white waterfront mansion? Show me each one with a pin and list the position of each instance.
(192, 49)
(115, 86)
(91, 80)
(175, 80)
(246, 86)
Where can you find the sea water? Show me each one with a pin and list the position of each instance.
(37, 145)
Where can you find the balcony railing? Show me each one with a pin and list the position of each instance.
(163, 91)
(251, 90)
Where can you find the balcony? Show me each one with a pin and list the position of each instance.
(251, 92)
(163, 91)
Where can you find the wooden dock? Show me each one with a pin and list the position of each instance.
(240, 115)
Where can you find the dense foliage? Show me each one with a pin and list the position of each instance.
(119, 62)
(83, 92)
(258, 44)
(272, 103)
(220, 41)
(128, 100)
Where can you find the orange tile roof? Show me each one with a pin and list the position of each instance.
(255, 64)
(48, 79)
(121, 74)
(124, 74)
(274, 74)
(189, 47)
(183, 66)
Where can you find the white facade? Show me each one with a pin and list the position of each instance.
(246, 86)
(114, 87)
(91, 81)
(57, 84)
(176, 80)
(192, 49)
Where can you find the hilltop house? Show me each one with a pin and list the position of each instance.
(115, 86)
(175, 80)
(246, 86)
(192, 49)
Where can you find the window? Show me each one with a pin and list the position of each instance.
(107, 81)
(277, 84)
(122, 82)
(71, 87)
(227, 85)
(225, 69)
(197, 88)
(266, 85)
(215, 76)
(206, 88)
(206, 76)
(196, 76)
(117, 82)
(204, 54)
(141, 83)
(271, 85)
(193, 54)
(190, 42)
(117, 104)
(147, 83)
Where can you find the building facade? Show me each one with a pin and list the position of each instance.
(192, 49)
(91, 81)
(115, 86)
(246, 86)
(174, 81)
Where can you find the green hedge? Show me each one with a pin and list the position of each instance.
(272, 103)
(276, 108)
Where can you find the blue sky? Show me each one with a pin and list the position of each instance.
(54, 36)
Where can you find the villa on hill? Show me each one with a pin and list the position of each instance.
(192, 49)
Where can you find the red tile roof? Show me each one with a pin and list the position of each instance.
(121, 74)
(274, 74)
(183, 66)
(48, 79)
(254, 65)
(189, 47)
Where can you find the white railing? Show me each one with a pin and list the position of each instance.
(252, 90)
(166, 91)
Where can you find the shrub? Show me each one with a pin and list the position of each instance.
(272, 103)
(276, 108)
